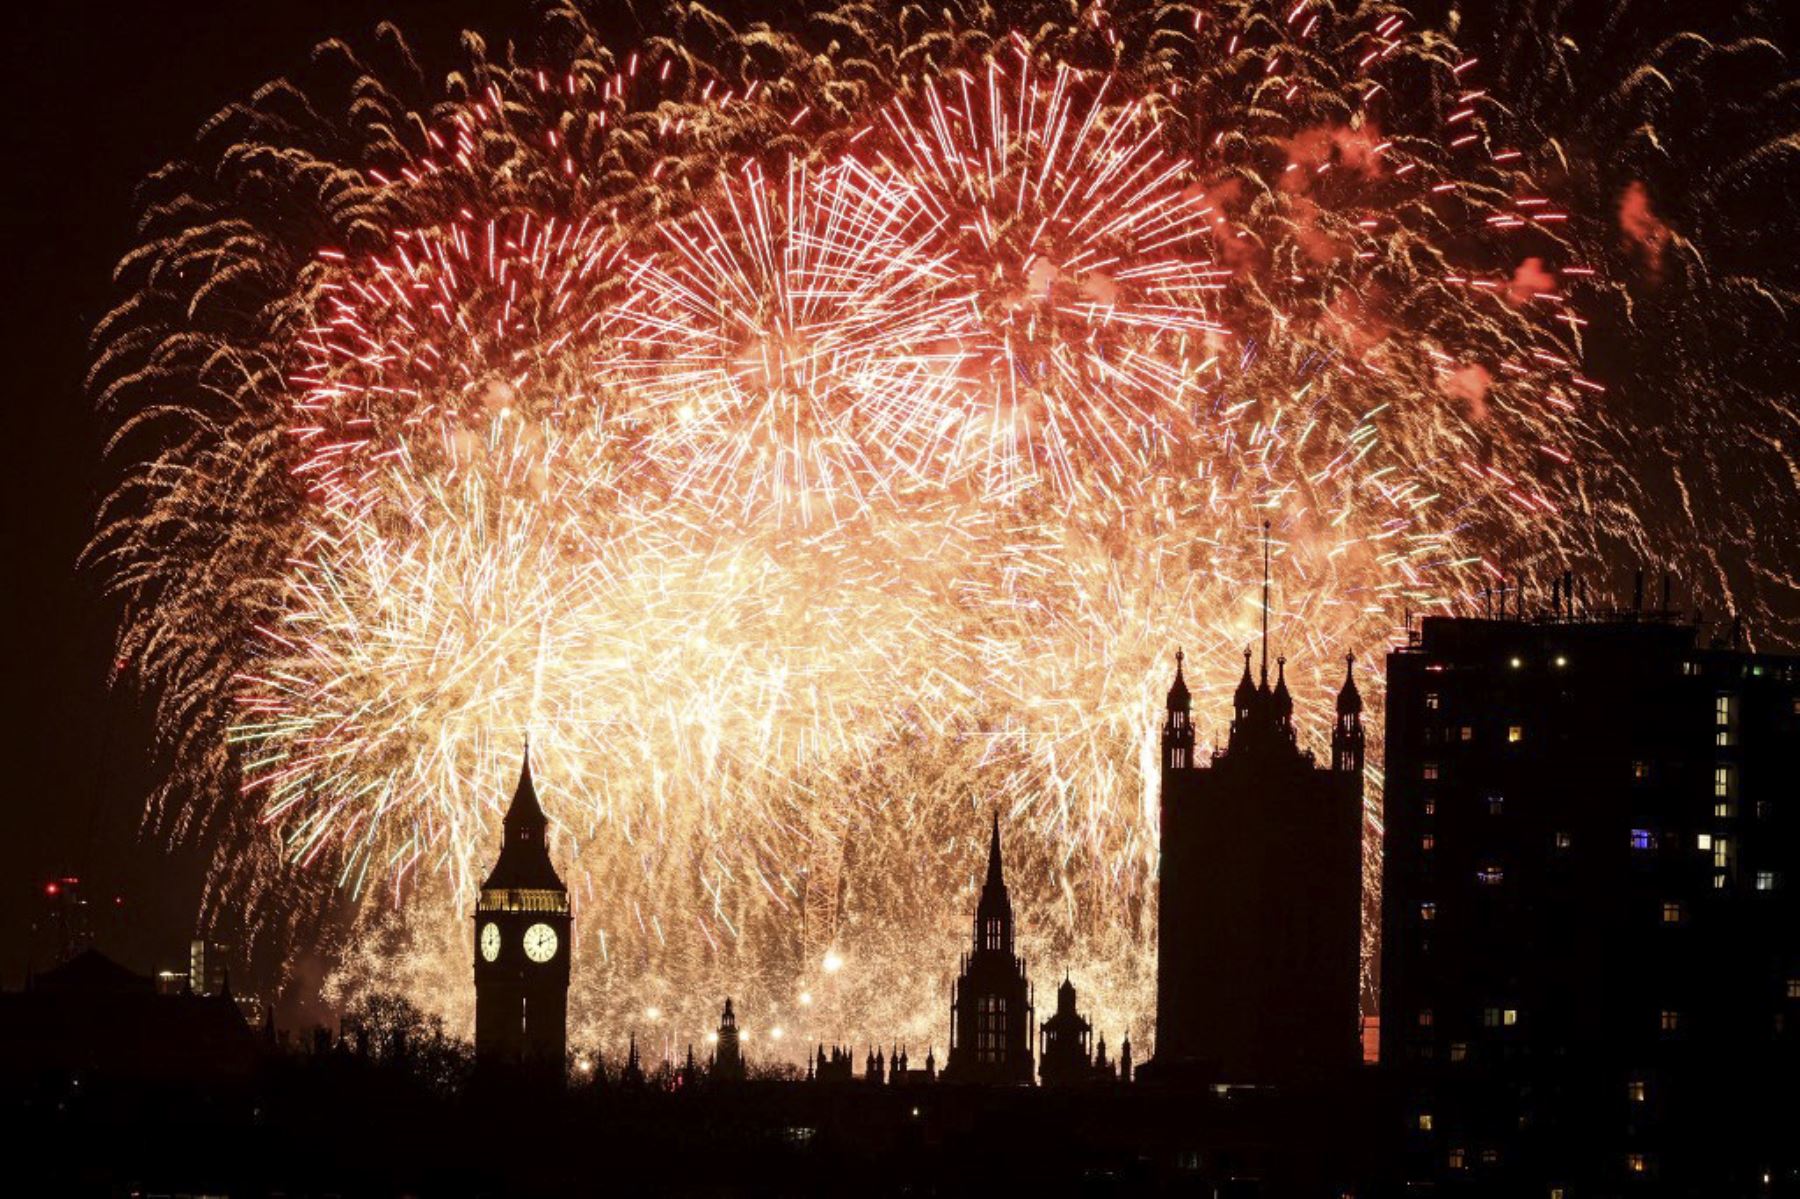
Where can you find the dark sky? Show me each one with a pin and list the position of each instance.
(99, 95)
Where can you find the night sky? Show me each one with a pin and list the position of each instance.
(100, 94)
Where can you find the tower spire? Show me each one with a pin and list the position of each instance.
(1265, 608)
(993, 869)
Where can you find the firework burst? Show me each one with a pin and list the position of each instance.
(811, 448)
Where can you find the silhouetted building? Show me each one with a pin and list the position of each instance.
(65, 922)
(1590, 943)
(838, 1067)
(209, 967)
(991, 1012)
(1064, 1042)
(522, 945)
(92, 1017)
(1259, 921)
(728, 1053)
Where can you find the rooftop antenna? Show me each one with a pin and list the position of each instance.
(1265, 611)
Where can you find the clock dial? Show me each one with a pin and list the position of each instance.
(490, 941)
(540, 942)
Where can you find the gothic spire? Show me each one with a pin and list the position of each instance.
(1265, 610)
(1349, 700)
(525, 807)
(1179, 699)
(994, 874)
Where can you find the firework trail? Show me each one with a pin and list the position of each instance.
(812, 438)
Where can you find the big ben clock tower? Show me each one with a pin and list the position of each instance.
(522, 946)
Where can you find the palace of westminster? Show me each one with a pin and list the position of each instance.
(1590, 950)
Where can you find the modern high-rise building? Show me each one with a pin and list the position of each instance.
(1590, 965)
(522, 945)
(991, 1006)
(1259, 895)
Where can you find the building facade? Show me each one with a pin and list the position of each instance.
(991, 1008)
(1590, 966)
(1259, 894)
(522, 946)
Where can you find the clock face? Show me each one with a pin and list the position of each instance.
(490, 940)
(540, 942)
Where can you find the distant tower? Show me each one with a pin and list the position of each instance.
(1259, 892)
(1064, 1040)
(522, 946)
(991, 1011)
(728, 1058)
(1347, 733)
(1125, 1059)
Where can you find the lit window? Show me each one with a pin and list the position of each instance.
(1634, 1162)
(1490, 1157)
(1761, 809)
(1509, 1017)
(1458, 1159)
(1793, 988)
(1766, 880)
(1561, 661)
(1636, 1091)
(1468, 732)
(1641, 838)
(1515, 732)
(1431, 770)
(1425, 1017)
(1703, 841)
(1690, 668)
(1721, 853)
(1563, 841)
(1725, 719)
(1490, 876)
(1424, 1121)
(1428, 842)
(1724, 782)
(1669, 1020)
(1490, 1017)
(1459, 1051)
(1671, 913)
(1431, 807)
(1640, 770)
(1516, 663)
(1431, 701)
(1428, 910)
(1496, 804)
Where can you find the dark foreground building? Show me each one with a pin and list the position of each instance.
(1590, 945)
(522, 946)
(991, 1011)
(1259, 920)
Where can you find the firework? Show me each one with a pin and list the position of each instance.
(810, 451)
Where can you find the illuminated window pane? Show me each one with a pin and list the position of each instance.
(1431, 770)
(1669, 1020)
(1671, 913)
(1515, 732)
(1636, 1091)
(1766, 880)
